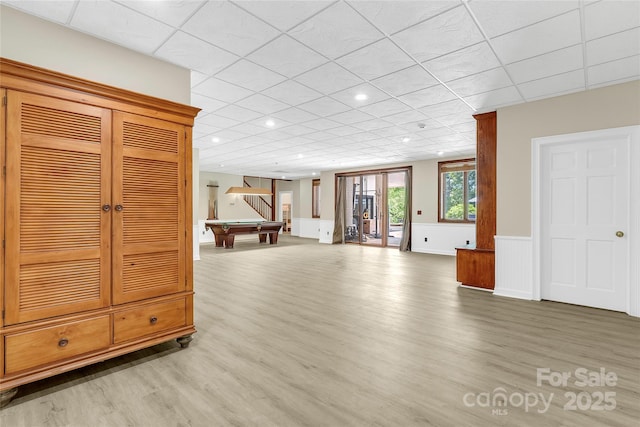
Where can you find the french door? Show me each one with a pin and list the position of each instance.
(375, 208)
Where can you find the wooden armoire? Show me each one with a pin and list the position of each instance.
(95, 215)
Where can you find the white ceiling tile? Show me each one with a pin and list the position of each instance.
(406, 117)
(273, 131)
(607, 17)
(495, 98)
(58, 11)
(481, 82)
(335, 31)
(390, 132)
(250, 76)
(350, 117)
(499, 17)
(188, 51)
(446, 108)
(558, 62)
(440, 35)
(455, 119)
(370, 125)
(208, 105)
(464, 62)
(329, 78)
(202, 129)
(284, 14)
(238, 113)
(385, 108)
(343, 131)
(287, 56)
(297, 130)
(615, 71)
(322, 124)
(121, 25)
(229, 135)
(375, 60)
(547, 36)
(223, 91)
(429, 96)
(218, 121)
(393, 16)
(348, 96)
(324, 106)
(249, 129)
(261, 103)
(613, 47)
(170, 12)
(319, 136)
(364, 137)
(292, 93)
(405, 81)
(294, 115)
(229, 27)
(197, 78)
(550, 86)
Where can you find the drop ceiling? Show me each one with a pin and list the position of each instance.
(424, 66)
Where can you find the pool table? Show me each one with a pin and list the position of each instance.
(226, 231)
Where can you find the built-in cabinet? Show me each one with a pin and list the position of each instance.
(96, 223)
(475, 263)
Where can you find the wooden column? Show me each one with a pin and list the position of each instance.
(476, 263)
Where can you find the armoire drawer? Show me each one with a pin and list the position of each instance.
(149, 319)
(35, 348)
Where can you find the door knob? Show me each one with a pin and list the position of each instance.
(619, 233)
(119, 208)
(106, 208)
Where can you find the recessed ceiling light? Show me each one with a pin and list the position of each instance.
(440, 153)
(406, 139)
(215, 139)
(313, 174)
(300, 155)
(270, 123)
(361, 97)
(284, 177)
(221, 165)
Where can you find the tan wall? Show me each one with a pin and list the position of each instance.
(305, 198)
(34, 41)
(608, 107)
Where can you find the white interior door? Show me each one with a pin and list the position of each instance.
(584, 221)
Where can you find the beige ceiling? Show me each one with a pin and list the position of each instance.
(425, 67)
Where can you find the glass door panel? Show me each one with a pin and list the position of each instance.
(396, 207)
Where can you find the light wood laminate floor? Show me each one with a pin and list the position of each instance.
(304, 334)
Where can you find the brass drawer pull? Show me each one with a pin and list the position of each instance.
(63, 342)
(153, 320)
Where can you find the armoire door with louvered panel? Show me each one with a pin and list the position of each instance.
(148, 193)
(58, 177)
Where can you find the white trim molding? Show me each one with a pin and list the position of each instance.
(514, 265)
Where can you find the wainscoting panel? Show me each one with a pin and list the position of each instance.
(326, 231)
(306, 227)
(442, 238)
(514, 267)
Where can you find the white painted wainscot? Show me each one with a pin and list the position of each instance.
(442, 238)
(514, 267)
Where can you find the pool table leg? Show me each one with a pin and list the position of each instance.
(229, 241)
(273, 238)
(262, 237)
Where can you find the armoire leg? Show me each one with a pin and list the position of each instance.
(184, 341)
